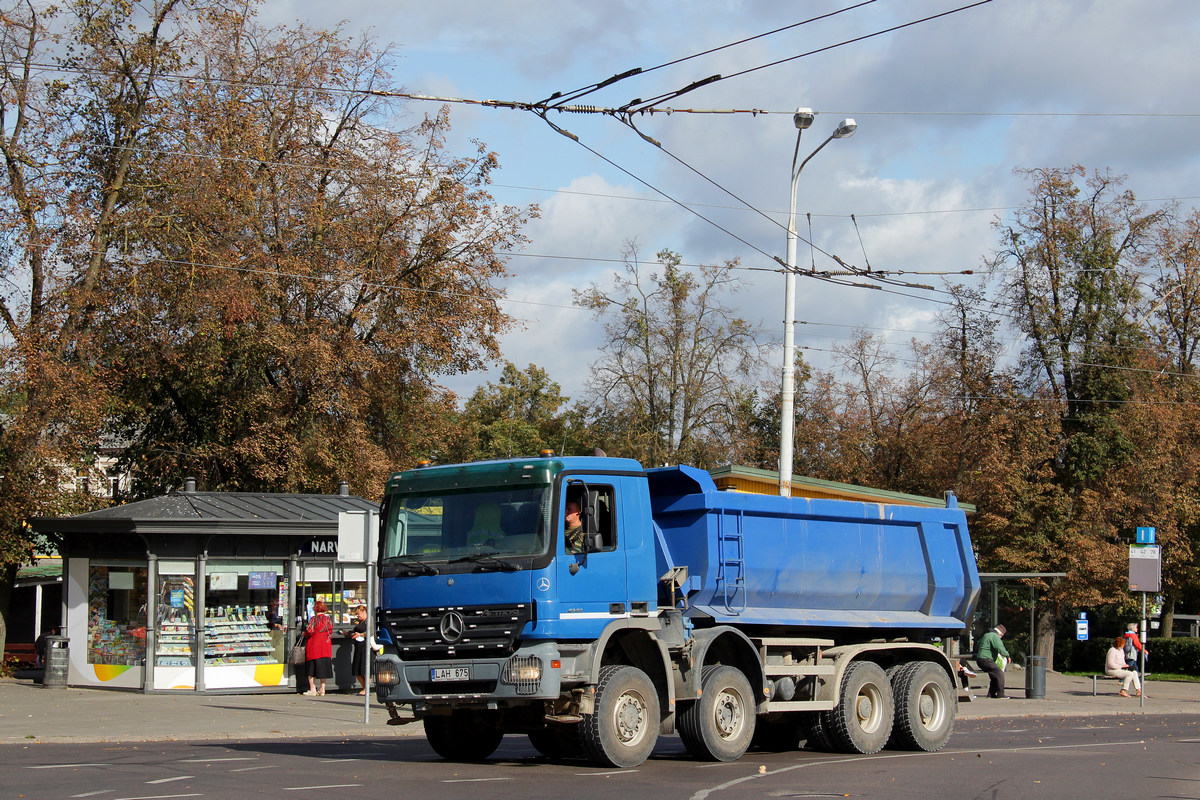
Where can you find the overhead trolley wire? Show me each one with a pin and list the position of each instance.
(558, 99)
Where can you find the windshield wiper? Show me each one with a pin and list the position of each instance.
(488, 560)
(413, 565)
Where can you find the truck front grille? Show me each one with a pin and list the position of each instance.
(434, 634)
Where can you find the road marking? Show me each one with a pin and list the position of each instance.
(65, 766)
(158, 796)
(610, 772)
(704, 793)
(337, 760)
(330, 786)
(474, 780)
(93, 794)
(214, 760)
(177, 778)
(250, 769)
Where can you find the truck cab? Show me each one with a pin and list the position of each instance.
(479, 584)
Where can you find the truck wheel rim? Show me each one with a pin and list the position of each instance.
(728, 713)
(932, 707)
(629, 717)
(868, 707)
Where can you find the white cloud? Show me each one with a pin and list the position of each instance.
(946, 110)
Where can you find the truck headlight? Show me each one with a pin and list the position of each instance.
(387, 672)
(524, 672)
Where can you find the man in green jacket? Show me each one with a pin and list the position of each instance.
(989, 650)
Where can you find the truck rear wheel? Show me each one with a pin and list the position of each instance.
(720, 725)
(463, 736)
(862, 720)
(925, 701)
(816, 731)
(779, 736)
(622, 730)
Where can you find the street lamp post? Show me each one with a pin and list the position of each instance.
(802, 119)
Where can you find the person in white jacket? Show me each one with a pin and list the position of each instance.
(1114, 666)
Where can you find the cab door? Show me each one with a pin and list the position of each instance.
(592, 583)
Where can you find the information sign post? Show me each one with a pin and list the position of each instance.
(1145, 575)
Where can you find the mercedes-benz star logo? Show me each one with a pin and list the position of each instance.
(543, 584)
(452, 626)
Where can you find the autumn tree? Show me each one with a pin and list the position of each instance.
(521, 414)
(1161, 484)
(666, 387)
(226, 249)
(79, 90)
(304, 274)
(1068, 263)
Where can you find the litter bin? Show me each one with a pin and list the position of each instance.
(1035, 678)
(54, 676)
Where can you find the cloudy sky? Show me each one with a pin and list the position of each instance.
(946, 109)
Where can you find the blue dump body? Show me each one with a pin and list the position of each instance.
(767, 560)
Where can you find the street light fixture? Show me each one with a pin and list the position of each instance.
(802, 119)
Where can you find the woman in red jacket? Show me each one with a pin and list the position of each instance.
(318, 649)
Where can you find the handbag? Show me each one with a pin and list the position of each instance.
(297, 656)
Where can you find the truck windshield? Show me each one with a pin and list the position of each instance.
(423, 529)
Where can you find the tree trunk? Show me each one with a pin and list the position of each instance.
(1166, 618)
(1043, 644)
(8, 577)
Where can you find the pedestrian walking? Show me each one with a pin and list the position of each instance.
(991, 651)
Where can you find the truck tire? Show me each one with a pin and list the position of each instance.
(720, 725)
(862, 720)
(622, 730)
(557, 742)
(925, 702)
(780, 736)
(463, 736)
(815, 730)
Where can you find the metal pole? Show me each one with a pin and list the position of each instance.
(1142, 675)
(787, 394)
(1032, 623)
(370, 547)
(368, 653)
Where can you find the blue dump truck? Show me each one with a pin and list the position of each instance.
(731, 619)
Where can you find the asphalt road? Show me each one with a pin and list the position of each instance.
(1091, 758)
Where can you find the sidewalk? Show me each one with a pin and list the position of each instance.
(31, 713)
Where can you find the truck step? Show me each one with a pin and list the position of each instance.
(800, 705)
(775, 641)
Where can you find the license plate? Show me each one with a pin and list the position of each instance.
(450, 673)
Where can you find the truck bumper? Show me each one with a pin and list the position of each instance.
(532, 673)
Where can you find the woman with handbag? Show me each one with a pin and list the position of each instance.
(318, 649)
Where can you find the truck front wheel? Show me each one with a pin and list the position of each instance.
(720, 725)
(557, 742)
(925, 700)
(862, 720)
(463, 736)
(622, 730)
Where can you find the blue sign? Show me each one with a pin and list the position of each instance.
(1081, 630)
(1145, 535)
(262, 580)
